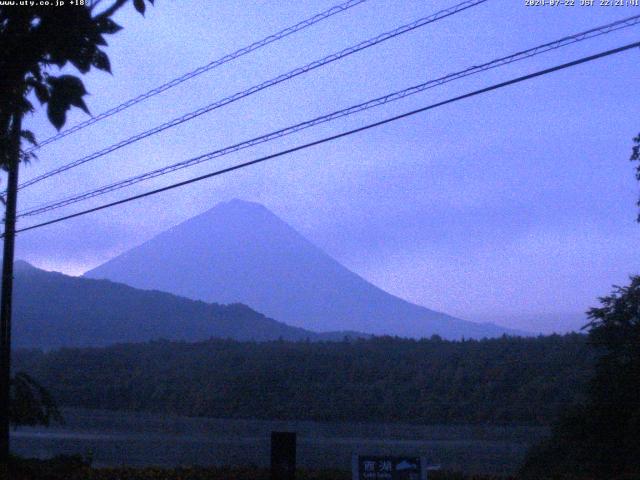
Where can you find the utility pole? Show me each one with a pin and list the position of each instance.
(7, 291)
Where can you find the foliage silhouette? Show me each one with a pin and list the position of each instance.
(31, 403)
(599, 437)
(36, 39)
(635, 157)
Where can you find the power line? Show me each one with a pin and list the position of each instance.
(205, 68)
(594, 32)
(257, 88)
(339, 135)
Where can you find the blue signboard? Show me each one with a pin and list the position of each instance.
(374, 467)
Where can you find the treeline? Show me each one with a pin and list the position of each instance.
(505, 380)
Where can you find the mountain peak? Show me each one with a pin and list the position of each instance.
(237, 203)
(240, 252)
(231, 212)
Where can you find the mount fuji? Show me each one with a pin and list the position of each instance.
(240, 252)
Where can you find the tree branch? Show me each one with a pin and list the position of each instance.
(118, 4)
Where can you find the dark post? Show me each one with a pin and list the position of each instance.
(7, 291)
(283, 455)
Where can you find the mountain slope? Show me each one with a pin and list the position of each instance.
(241, 252)
(53, 310)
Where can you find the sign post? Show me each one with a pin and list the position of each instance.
(283, 455)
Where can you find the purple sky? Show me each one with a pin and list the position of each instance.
(517, 203)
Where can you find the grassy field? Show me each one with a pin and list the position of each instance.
(73, 468)
(113, 439)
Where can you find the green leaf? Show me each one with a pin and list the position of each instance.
(83, 59)
(79, 102)
(66, 91)
(108, 26)
(139, 6)
(101, 61)
(99, 40)
(29, 137)
(42, 92)
(56, 112)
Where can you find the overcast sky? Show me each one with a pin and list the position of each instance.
(509, 205)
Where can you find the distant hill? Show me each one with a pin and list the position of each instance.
(53, 310)
(540, 323)
(241, 252)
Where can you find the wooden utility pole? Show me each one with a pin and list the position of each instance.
(7, 291)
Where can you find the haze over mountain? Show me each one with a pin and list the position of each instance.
(239, 251)
(52, 310)
(540, 323)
